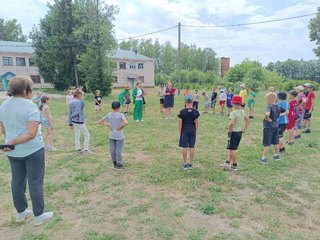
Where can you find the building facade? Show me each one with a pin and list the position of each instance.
(16, 58)
(132, 67)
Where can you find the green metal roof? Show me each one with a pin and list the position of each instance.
(16, 47)
(126, 54)
(24, 47)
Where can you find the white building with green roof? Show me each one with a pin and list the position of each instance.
(133, 67)
(16, 58)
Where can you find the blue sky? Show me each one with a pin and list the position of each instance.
(265, 42)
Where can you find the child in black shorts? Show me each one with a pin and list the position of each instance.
(237, 117)
(188, 125)
(270, 127)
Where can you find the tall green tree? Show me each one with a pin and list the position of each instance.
(314, 27)
(11, 31)
(72, 43)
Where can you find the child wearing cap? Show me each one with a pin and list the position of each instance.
(115, 121)
(270, 127)
(188, 125)
(308, 109)
(292, 115)
(236, 127)
(299, 111)
(283, 118)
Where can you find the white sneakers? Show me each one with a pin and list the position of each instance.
(44, 217)
(20, 217)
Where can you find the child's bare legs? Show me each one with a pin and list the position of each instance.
(185, 155)
(229, 111)
(213, 109)
(51, 136)
(281, 143)
(222, 109)
(46, 136)
(276, 149)
(233, 157)
(290, 135)
(266, 151)
(191, 154)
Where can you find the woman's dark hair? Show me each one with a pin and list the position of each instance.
(44, 99)
(20, 86)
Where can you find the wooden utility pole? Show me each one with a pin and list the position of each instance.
(179, 57)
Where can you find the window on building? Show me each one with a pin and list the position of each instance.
(132, 66)
(122, 65)
(31, 62)
(140, 65)
(7, 61)
(35, 78)
(141, 79)
(20, 61)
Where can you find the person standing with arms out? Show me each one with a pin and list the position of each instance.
(168, 103)
(77, 122)
(235, 130)
(188, 126)
(309, 108)
(299, 111)
(251, 102)
(137, 95)
(223, 97)
(229, 98)
(160, 95)
(46, 120)
(196, 100)
(117, 121)
(243, 93)
(19, 122)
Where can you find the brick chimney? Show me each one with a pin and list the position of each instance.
(225, 65)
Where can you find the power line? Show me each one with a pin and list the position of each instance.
(151, 33)
(246, 24)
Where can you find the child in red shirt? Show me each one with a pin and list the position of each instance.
(292, 115)
(308, 108)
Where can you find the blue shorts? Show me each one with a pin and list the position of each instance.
(46, 124)
(270, 136)
(187, 139)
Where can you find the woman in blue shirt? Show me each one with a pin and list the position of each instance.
(19, 121)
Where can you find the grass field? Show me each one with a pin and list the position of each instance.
(154, 198)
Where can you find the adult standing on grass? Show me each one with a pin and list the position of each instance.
(168, 103)
(77, 122)
(188, 125)
(137, 96)
(19, 121)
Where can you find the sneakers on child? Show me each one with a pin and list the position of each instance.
(79, 151)
(44, 217)
(282, 151)
(297, 137)
(190, 165)
(86, 152)
(307, 131)
(234, 167)
(225, 164)
(185, 166)
(262, 160)
(52, 148)
(276, 157)
(20, 217)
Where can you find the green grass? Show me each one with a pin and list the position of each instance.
(153, 198)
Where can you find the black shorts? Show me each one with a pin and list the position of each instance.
(187, 139)
(161, 101)
(234, 140)
(282, 129)
(195, 105)
(270, 136)
(306, 115)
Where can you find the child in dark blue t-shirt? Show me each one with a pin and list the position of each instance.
(188, 125)
(270, 127)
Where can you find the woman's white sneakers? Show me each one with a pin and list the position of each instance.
(44, 217)
(20, 217)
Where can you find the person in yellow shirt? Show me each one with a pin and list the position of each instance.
(243, 93)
